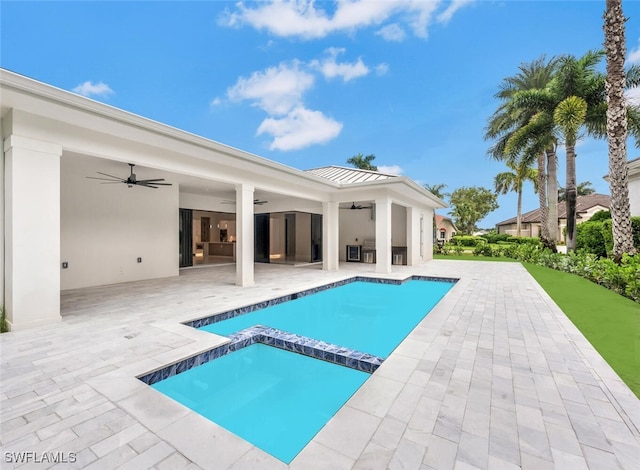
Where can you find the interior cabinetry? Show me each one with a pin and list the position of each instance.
(222, 249)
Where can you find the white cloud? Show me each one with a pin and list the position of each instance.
(300, 128)
(305, 19)
(89, 88)
(382, 69)
(633, 96)
(330, 68)
(453, 7)
(216, 102)
(279, 91)
(276, 90)
(395, 170)
(392, 32)
(634, 55)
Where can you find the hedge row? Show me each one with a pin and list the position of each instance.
(596, 236)
(623, 278)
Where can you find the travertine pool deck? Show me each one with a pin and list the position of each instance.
(495, 376)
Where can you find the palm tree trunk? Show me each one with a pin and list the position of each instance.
(542, 197)
(519, 215)
(552, 193)
(614, 33)
(570, 196)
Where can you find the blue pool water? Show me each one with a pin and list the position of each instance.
(278, 400)
(275, 399)
(365, 316)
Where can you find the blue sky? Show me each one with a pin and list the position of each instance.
(310, 84)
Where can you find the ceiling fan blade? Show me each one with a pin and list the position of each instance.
(110, 176)
(116, 180)
(151, 180)
(146, 185)
(159, 184)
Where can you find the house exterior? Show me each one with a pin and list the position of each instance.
(586, 206)
(445, 228)
(63, 230)
(634, 186)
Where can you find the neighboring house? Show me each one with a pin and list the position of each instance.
(445, 228)
(63, 230)
(634, 186)
(586, 206)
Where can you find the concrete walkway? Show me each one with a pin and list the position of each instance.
(495, 376)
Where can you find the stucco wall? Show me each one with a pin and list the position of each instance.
(105, 228)
(634, 194)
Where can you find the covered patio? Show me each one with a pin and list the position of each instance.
(495, 376)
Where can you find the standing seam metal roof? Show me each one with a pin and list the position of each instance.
(348, 175)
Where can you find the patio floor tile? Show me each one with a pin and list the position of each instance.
(495, 376)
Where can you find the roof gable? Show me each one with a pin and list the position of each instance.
(583, 204)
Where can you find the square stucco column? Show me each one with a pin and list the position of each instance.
(413, 236)
(31, 232)
(383, 235)
(245, 235)
(330, 236)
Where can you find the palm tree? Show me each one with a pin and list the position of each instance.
(570, 115)
(614, 43)
(363, 162)
(527, 133)
(514, 180)
(577, 81)
(582, 189)
(436, 189)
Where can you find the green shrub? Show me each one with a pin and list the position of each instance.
(483, 249)
(607, 235)
(467, 240)
(600, 216)
(497, 237)
(4, 326)
(623, 278)
(589, 237)
(526, 240)
(635, 227)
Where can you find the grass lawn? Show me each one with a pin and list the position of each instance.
(609, 321)
(471, 257)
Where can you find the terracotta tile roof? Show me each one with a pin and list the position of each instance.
(583, 204)
(348, 175)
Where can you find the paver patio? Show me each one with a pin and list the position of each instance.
(495, 376)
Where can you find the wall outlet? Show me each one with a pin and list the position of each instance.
(65, 264)
(139, 260)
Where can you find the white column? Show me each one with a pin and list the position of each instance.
(31, 232)
(413, 236)
(383, 235)
(245, 235)
(427, 247)
(330, 236)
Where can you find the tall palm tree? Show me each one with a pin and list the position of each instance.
(363, 162)
(614, 43)
(570, 115)
(524, 132)
(514, 180)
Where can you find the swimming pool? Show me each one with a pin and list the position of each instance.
(366, 316)
(277, 399)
